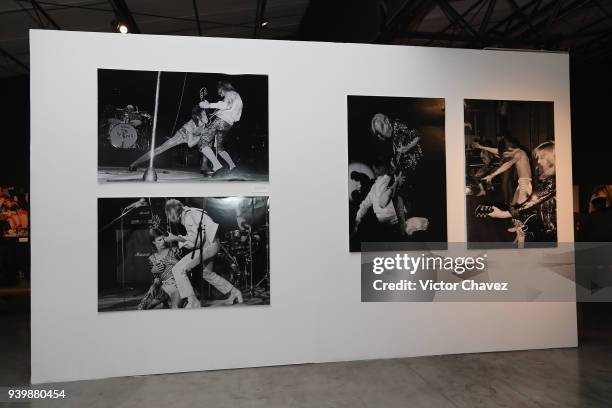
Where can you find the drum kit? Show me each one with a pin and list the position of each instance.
(129, 128)
(238, 248)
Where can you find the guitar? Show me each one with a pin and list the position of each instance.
(519, 226)
(482, 211)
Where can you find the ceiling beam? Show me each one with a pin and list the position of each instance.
(564, 11)
(11, 57)
(409, 13)
(487, 17)
(35, 17)
(508, 19)
(464, 14)
(527, 20)
(197, 17)
(38, 8)
(454, 17)
(513, 15)
(494, 39)
(552, 18)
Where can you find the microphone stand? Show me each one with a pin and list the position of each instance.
(200, 240)
(125, 212)
(150, 174)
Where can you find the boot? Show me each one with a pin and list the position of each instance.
(235, 296)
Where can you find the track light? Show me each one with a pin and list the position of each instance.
(120, 27)
(264, 24)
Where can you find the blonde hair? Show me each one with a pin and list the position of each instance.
(546, 151)
(381, 126)
(173, 205)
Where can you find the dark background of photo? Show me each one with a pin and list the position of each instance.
(429, 178)
(247, 141)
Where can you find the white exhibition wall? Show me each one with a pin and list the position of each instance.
(315, 313)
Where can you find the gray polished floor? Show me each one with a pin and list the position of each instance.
(541, 378)
(544, 378)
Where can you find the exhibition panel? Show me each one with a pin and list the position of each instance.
(109, 111)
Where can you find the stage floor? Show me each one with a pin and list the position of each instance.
(130, 298)
(122, 174)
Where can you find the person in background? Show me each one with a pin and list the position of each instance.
(596, 226)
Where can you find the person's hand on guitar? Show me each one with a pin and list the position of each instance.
(173, 238)
(497, 213)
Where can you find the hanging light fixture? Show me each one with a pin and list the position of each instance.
(120, 27)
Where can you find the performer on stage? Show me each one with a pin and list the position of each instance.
(542, 203)
(513, 156)
(164, 289)
(391, 189)
(392, 224)
(488, 166)
(207, 134)
(202, 236)
(229, 111)
(189, 133)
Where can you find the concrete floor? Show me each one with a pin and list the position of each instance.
(550, 378)
(541, 378)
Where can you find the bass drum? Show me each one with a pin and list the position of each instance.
(123, 136)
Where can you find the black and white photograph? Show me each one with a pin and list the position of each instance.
(181, 126)
(397, 170)
(510, 172)
(177, 252)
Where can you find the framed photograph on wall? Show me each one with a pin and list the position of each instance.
(181, 126)
(396, 170)
(510, 172)
(182, 252)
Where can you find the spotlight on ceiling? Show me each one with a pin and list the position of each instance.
(120, 27)
(264, 24)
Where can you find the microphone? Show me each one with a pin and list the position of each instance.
(136, 204)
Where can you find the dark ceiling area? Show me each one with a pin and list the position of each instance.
(227, 18)
(581, 27)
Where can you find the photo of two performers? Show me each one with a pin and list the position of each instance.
(396, 171)
(182, 252)
(510, 172)
(188, 126)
